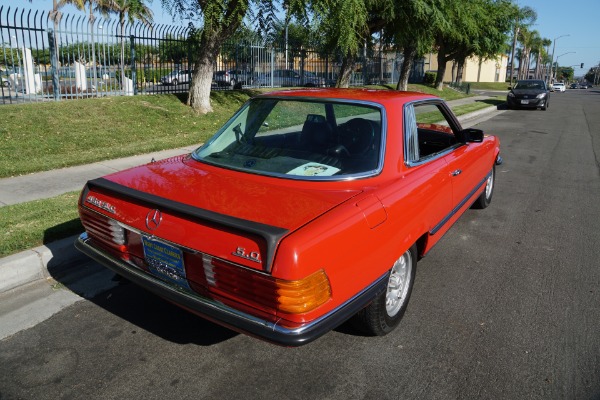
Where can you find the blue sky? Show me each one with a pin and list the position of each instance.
(578, 19)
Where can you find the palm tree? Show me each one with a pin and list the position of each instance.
(131, 10)
(523, 17)
(538, 49)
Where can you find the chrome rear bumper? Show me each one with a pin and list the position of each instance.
(230, 317)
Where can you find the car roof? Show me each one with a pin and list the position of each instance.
(530, 81)
(371, 95)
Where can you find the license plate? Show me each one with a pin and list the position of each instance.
(524, 101)
(165, 261)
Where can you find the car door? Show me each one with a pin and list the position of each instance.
(438, 140)
(427, 169)
(466, 172)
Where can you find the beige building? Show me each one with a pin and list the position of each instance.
(474, 70)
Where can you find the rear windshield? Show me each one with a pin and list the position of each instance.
(530, 85)
(299, 139)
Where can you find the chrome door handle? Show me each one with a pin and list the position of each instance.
(456, 172)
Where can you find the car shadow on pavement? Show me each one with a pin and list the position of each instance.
(159, 317)
(76, 272)
(95, 283)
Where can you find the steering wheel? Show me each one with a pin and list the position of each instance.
(357, 136)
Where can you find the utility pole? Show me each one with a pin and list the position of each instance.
(552, 63)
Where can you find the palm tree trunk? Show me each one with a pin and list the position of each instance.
(122, 22)
(95, 80)
(55, 16)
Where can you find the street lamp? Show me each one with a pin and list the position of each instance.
(557, 57)
(552, 58)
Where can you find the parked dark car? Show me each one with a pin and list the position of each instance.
(528, 93)
(235, 79)
(583, 85)
(288, 77)
(574, 86)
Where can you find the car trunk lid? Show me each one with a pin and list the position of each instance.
(231, 215)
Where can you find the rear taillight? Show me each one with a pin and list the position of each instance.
(266, 292)
(117, 232)
(303, 295)
(103, 229)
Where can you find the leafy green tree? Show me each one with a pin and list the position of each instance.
(412, 30)
(173, 48)
(593, 74)
(477, 28)
(451, 38)
(565, 74)
(348, 26)
(220, 21)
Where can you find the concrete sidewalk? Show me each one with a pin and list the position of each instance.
(48, 184)
(54, 259)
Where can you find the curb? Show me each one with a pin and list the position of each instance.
(53, 260)
(58, 259)
(465, 118)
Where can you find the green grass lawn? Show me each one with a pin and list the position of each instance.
(490, 85)
(45, 136)
(31, 224)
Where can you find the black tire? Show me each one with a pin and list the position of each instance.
(485, 198)
(174, 82)
(6, 83)
(546, 105)
(381, 316)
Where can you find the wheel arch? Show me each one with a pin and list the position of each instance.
(421, 244)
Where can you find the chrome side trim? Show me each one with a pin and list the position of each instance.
(459, 206)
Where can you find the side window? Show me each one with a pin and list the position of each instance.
(427, 132)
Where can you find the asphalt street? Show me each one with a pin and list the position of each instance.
(506, 306)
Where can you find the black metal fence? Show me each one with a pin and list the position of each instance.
(74, 57)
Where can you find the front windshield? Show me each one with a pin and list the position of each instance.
(530, 85)
(293, 138)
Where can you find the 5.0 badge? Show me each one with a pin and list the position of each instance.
(252, 256)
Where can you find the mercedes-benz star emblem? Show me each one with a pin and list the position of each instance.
(153, 219)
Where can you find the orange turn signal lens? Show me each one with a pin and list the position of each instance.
(303, 295)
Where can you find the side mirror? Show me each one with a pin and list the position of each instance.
(509, 88)
(472, 135)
